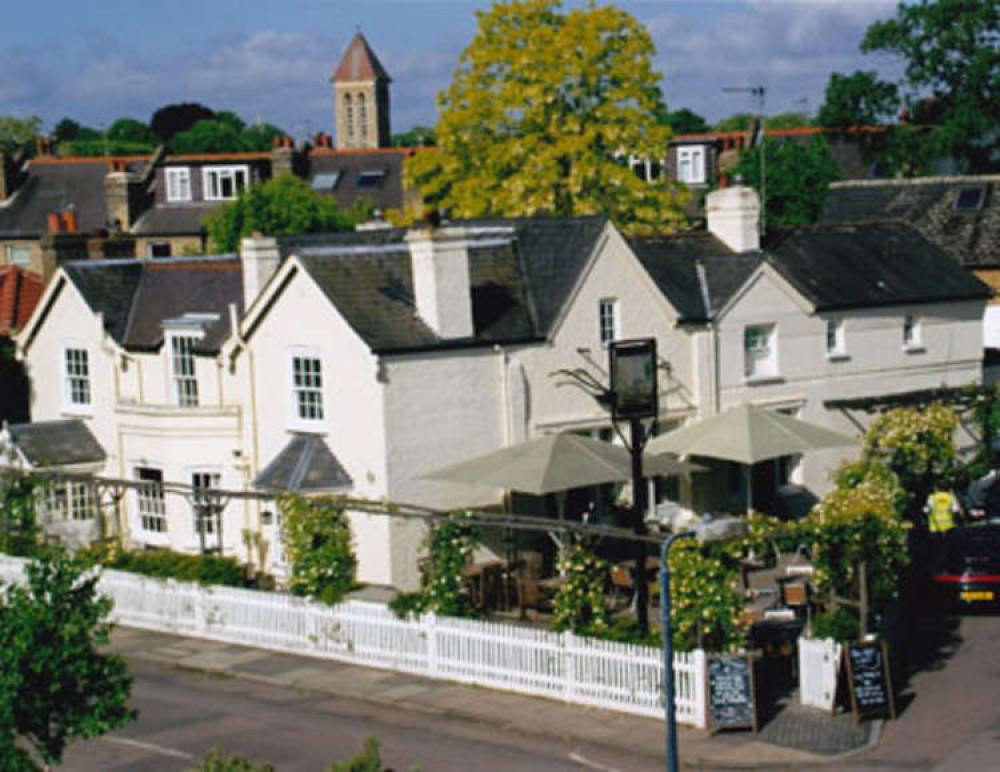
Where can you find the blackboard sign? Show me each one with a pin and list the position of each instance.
(868, 680)
(731, 692)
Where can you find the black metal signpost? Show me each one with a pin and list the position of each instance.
(634, 397)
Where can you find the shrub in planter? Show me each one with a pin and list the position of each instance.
(840, 625)
(706, 606)
(450, 547)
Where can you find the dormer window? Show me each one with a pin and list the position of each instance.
(370, 180)
(178, 183)
(644, 169)
(970, 199)
(691, 164)
(223, 183)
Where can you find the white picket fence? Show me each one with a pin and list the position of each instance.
(509, 657)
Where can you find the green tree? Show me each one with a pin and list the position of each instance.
(859, 99)
(797, 177)
(541, 112)
(282, 206)
(951, 51)
(418, 136)
(736, 122)
(685, 121)
(16, 132)
(173, 119)
(787, 121)
(66, 130)
(56, 685)
(131, 130)
(209, 136)
(260, 136)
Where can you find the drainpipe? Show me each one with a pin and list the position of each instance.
(250, 463)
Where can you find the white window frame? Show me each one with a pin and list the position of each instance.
(69, 501)
(609, 325)
(212, 191)
(212, 475)
(836, 339)
(182, 365)
(645, 169)
(760, 352)
(15, 255)
(178, 183)
(78, 385)
(912, 332)
(150, 508)
(301, 394)
(691, 164)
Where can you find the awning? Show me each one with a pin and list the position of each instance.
(304, 465)
(55, 443)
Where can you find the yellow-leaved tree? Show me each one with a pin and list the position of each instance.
(542, 115)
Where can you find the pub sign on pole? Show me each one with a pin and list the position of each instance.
(633, 379)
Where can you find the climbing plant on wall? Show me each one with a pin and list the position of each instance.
(317, 539)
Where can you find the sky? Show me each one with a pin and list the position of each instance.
(271, 60)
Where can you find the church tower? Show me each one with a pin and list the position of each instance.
(361, 98)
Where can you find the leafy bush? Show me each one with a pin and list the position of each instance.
(840, 625)
(450, 548)
(851, 525)
(580, 604)
(19, 532)
(317, 538)
(216, 761)
(706, 606)
(407, 604)
(369, 760)
(165, 564)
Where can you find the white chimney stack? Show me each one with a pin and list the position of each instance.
(260, 258)
(441, 289)
(734, 217)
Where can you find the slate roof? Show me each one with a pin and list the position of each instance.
(875, 264)
(56, 443)
(53, 186)
(833, 266)
(137, 296)
(173, 219)
(928, 204)
(348, 165)
(304, 465)
(20, 291)
(692, 269)
(359, 63)
(521, 274)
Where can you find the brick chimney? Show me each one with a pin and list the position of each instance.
(260, 258)
(125, 196)
(285, 158)
(441, 288)
(733, 215)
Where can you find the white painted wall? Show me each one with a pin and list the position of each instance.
(353, 425)
(554, 403)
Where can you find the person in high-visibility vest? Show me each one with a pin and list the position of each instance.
(941, 508)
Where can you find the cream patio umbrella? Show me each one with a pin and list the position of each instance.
(555, 463)
(748, 435)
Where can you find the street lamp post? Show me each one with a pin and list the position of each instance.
(706, 531)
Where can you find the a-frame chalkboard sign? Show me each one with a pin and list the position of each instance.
(731, 703)
(868, 680)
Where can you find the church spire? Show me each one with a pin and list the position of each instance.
(361, 97)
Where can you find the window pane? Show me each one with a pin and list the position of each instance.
(77, 376)
(150, 502)
(307, 383)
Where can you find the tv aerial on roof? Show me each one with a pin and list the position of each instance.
(761, 93)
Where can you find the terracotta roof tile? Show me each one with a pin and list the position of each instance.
(20, 291)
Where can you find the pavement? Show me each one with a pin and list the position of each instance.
(788, 735)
